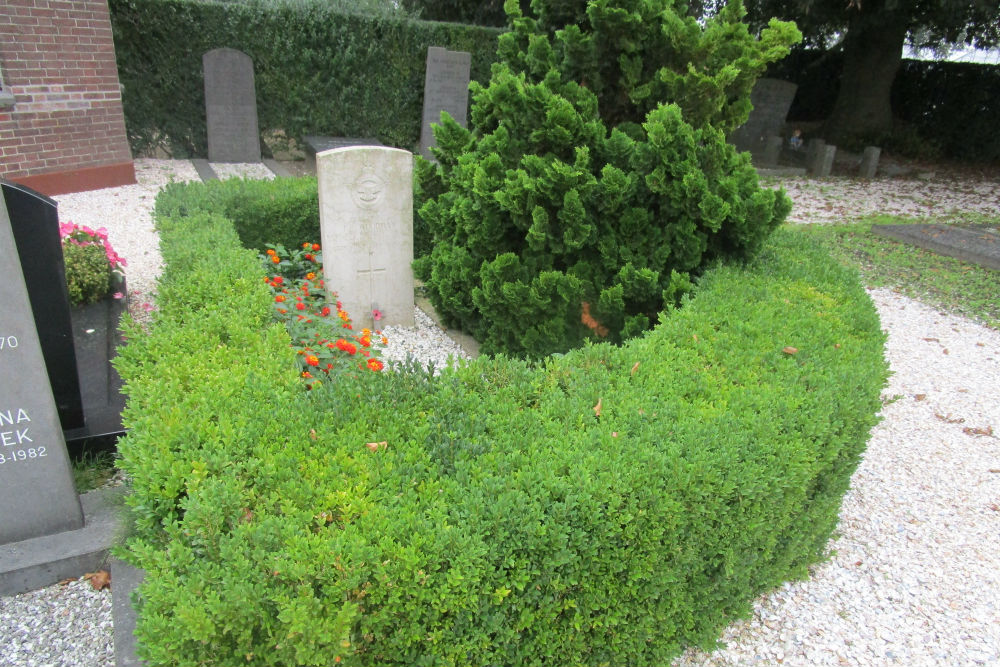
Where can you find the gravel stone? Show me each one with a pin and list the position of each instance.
(913, 576)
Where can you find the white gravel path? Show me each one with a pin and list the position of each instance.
(914, 578)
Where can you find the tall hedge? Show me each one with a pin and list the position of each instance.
(317, 71)
(595, 180)
(609, 506)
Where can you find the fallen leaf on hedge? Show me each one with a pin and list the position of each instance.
(597, 408)
(247, 515)
(968, 430)
(312, 434)
(614, 434)
(374, 446)
(695, 337)
(790, 350)
(836, 346)
(99, 580)
(635, 367)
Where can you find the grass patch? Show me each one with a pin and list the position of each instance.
(946, 283)
(92, 470)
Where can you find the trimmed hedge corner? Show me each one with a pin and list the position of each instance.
(607, 506)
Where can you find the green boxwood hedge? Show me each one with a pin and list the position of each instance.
(317, 70)
(607, 506)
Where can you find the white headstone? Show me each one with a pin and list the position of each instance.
(37, 496)
(446, 88)
(366, 225)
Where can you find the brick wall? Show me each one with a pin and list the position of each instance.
(65, 131)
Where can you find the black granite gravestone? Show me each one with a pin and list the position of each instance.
(36, 482)
(34, 221)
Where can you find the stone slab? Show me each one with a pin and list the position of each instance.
(278, 169)
(869, 162)
(204, 169)
(771, 100)
(315, 144)
(125, 579)
(230, 106)
(43, 561)
(446, 88)
(976, 244)
(366, 224)
(36, 481)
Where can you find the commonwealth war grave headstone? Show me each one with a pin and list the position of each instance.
(366, 223)
(869, 162)
(446, 88)
(231, 106)
(36, 483)
(34, 220)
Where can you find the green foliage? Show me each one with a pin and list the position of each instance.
(595, 180)
(487, 12)
(281, 211)
(317, 71)
(505, 520)
(88, 275)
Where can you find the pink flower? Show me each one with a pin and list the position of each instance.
(117, 295)
(148, 307)
(376, 314)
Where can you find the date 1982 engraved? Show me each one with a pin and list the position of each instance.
(22, 455)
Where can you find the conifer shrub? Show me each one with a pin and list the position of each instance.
(608, 506)
(594, 180)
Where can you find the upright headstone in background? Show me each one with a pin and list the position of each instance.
(869, 162)
(821, 162)
(231, 106)
(37, 496)
(366, 225)
(34, 220)
(446, 88)
(771, 100)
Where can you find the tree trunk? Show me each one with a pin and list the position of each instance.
(873, 52)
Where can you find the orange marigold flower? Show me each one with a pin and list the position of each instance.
(306, 374)
(270, 251)
(282, 310)
(365, 340)
(280, 298)
(306, 245)
(275, 259)
(315, 246)
(342, 314)
(375, 365)
(310, 276)
(385, 341)
(312, 360)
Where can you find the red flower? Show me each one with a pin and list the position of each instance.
(280, 298)
(312, 360)
(300, 306)
(375, 365)
(325, 311)
(315, 246)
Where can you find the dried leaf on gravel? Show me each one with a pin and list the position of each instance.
(988, 431)
(99, 580)
(949, 419)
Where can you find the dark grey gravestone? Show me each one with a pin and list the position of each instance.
(771, 100)
(36, 482)
(772, 150)
(821, 161)
(979, 244)
(34, 219)
(869, 162)
(231, 106)
(446, 88)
